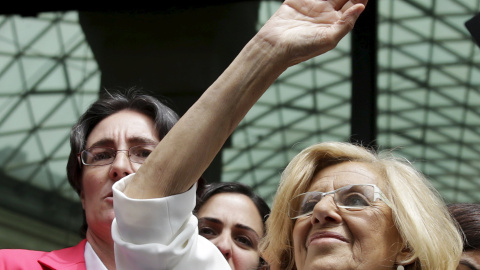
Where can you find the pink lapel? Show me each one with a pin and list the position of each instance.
(71, 258)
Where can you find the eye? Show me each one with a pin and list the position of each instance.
(244, 241)
(309, 202)
(141, 152)
(355, 200)
(207, 232)
(309, 205)
(99, 155)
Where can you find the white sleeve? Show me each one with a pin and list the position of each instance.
(160, 233)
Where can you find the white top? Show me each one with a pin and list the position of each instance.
(160, 233)
(92, 261)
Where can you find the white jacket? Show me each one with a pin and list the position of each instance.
(160, 233)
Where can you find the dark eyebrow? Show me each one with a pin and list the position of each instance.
(468, 264)
(214, 220)
(131, 141)
(244, 227)
(102, 142)
(141, 140)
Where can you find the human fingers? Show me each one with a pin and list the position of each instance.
(348, 19)
(348, 4)
(350, 16)
(343, 5)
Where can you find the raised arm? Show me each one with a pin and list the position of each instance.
(298, 31)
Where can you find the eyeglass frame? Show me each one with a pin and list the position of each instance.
(81, 161)
(377, 194)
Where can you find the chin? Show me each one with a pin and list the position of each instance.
(110, 216)
(326, 263)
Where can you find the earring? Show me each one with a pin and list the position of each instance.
(400, 267)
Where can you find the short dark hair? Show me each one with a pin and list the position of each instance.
(111, 102)
(467, 216)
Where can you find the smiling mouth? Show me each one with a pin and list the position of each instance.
(326, 235)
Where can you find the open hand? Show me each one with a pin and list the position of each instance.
(303, 29)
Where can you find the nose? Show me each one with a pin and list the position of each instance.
(326, 211)
(224, 244)
(121, 166)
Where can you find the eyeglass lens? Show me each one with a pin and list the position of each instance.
(352, 197)
(98, 156)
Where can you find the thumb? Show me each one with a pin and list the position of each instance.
(350, 16)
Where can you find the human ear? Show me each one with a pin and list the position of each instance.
(404, 256)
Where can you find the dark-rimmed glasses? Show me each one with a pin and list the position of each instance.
(99, 156)
(351, 197)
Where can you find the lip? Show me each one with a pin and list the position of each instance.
(325, 234)
(109, 197)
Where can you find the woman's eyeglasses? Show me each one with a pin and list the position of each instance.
(351, 197)
(99, 156)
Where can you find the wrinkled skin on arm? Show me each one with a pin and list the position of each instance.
(298, 31)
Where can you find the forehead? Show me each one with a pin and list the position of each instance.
(232, 209)
(124, 127)
(346, 173)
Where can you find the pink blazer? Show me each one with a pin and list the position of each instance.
(71, 258)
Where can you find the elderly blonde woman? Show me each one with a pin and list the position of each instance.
(341, 206)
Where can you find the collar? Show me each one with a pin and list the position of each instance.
(71, 258)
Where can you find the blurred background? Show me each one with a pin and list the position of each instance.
(407, 78)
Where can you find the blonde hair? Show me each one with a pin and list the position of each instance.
(420, 214)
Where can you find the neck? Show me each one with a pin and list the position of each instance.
(103, 247)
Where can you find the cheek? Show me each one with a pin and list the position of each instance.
(246, 259)
(91, 182)
(301, 227)
(386, 227)
(363, 231)
(375, 232)
(136, 166)
(300, 231)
